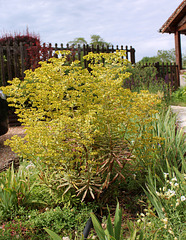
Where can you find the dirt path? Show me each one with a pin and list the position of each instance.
(6, 154)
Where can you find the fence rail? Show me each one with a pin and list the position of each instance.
(14, 60)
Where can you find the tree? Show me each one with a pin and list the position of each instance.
(166, 56)
(97, 40)
(78, 41)
(148, 60)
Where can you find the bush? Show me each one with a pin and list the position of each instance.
(81, 125)
(145, 78)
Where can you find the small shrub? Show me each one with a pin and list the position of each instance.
(145, 78)
(80, 125)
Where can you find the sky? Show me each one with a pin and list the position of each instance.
(134, 23)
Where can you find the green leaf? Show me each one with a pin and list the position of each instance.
(117, 222)
(109, 226)
(155, 200)
(141, 235)
(52, 234)
(98, 228)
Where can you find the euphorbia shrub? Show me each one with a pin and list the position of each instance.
(81, 125)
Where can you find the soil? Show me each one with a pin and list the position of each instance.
(6, 154)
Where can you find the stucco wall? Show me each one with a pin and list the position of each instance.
(182, 78)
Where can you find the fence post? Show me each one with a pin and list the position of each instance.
(61, 46)
(16, 62)
(103, 49)
(50, 50)
(79, 52)
(126, 49)
(73, 52)
(97, 48)
(112, 50)
(2, 66)
(132, 55)
(177, 75)
(9, 62)
(107, 49)
(22, 53)
(55, 54)
(84, 53)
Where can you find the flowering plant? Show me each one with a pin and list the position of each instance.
(166, 220)
(80, 124)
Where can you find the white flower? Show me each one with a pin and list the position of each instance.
(183, 198)
(171, 183)
(170, 231)
(165, 175)
(165, 220)
(134, 176)
(174, 179)
(176, 184)
(171, 192)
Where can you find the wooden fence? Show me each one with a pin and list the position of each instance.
(14, 60)
(169, 72)
(164, 77)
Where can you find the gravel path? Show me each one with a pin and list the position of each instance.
(6, 154)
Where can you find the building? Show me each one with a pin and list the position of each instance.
(176, 24)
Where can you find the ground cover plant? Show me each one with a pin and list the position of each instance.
(89, 139)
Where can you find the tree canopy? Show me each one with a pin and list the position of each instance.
(78, 41)
(167, 56)
(95, 40)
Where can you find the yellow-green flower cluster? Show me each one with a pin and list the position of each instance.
(74, 118)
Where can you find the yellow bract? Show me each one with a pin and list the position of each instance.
(75, 119)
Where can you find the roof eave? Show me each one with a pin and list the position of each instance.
(169, 25)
